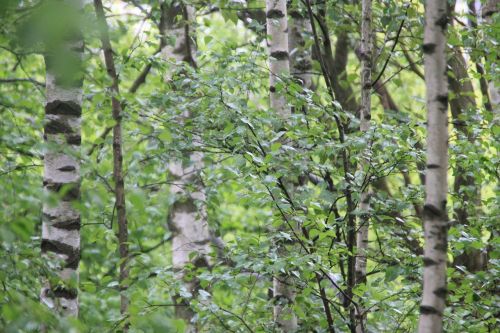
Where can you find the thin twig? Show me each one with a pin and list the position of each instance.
(392, 49)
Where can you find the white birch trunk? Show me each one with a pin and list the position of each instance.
(61, 223)
(300, 56)
(365, 116)
(487, 11)
(279, 66)
(188, 214)
(436, 186)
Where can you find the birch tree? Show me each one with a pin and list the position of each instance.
(188, 214)
(283, 185)
(436, 184)
(300, 55)
(487, 11)
(279, 66)
(365, 116)
(118, 176)
(61, 176)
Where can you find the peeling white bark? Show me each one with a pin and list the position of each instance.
(279, 67)
(177, 43)
(62, 212)
(61, 223)
(188, 216)
(299, 27)
(277, 31)
(436, 184)
(62, 168)
(55, 92)
(68, 237)
(365, 116)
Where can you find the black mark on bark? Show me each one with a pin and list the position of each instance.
(441, 292)
(432, 211)
(63, 107)
(429, 48)
(443, 99)
(429, 310)
(429, 262)
(442, 21)
(280, 55)
(72, 253)
(67, 168)
(275, 14)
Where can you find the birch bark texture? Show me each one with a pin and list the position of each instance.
(279, 66)
(487, 12)
(365, 117)
(188, 214)
(61, 176)
(299, 27)
(117, 161)
(436, 186)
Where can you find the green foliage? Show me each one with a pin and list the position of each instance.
(250, 157)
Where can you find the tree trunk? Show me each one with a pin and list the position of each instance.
(117, 161)
(301, 65)
(365, 116)
(336, 64)
(436, 185)
(299, 27)
(487, 12)
(188, 213)
(465, 186)
(483, 84)
(61, 223)
(277, 30)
